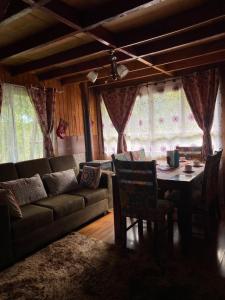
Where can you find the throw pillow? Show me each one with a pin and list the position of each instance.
(90, 177)
(60, 182)
(26, 190)
(8, 197)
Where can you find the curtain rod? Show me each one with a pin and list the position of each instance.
(32, 86)
(144, 84)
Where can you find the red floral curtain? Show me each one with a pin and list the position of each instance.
(1, 95)
(44, 103)
(201, 90)
(119, 103)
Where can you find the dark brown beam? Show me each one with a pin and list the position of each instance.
(58, 58)
(99, 34)
(203, 60)
(182, 54)
(204, 34)
(178, 68)
(84, 66)
(110, 10)
(15, 10)
(36, 41)
(208, 13)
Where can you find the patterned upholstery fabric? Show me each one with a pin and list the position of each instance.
(10, 199)
(122, 156)
(60, 182)
(138, 155)
(26, 190)
(90, 177)
(138, 190)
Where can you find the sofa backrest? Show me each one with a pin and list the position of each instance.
(8, 172)
(62, 163)
(31, 167)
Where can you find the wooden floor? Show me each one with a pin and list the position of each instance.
(207, 255)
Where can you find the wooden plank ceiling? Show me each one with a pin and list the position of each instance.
(65, 39)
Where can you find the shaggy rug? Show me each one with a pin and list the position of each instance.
(78, 267)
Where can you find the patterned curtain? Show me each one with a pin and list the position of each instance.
(119, 103)
(1, 95)
(201, 90)
(44, 103)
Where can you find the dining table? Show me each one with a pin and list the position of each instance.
(169, 178)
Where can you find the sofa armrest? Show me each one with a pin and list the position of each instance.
(6, 256)
(106, 182)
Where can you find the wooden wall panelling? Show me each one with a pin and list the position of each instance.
(94, 124)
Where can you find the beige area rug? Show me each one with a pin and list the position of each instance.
(78, 267)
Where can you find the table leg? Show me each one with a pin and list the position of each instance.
(185, 217)
(117, 212)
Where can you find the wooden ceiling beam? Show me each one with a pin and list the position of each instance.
(203, 60)
(81, 67)
(62, 57)
(203, 35)
(99, 34)
(209, 13)
(93, 17)
(195, 51)
(36, 41)
(15, 11)
(178, 68)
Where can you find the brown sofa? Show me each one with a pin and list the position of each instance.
(50, 218)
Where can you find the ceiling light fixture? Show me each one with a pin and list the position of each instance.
(92, 76)
(117, 71)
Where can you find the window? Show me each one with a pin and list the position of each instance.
(20, 134)
(161, 119)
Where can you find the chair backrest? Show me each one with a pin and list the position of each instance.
(138, 155)
(190, 152)
(210, 179)
(137, 183)
(122, 156)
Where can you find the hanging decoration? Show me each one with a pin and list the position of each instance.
(61, 129)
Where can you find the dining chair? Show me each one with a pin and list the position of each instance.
(138, 196)
(190, 152)
(206, 199)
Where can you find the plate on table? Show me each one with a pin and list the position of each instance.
(164, 167)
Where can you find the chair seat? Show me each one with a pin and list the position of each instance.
(63, 205)
(34, 217)
(91, 196)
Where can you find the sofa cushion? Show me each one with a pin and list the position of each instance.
(91, 196)
(30, 167)
(26, 190)
(90, 177)
(62, 163)
(8, 197)
(8, 172)
(34, 217)
(63, 205)
(60, 182)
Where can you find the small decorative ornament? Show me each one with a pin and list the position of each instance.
(61, 129)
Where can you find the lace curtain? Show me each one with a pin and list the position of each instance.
(20, 134)
(161, 119)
